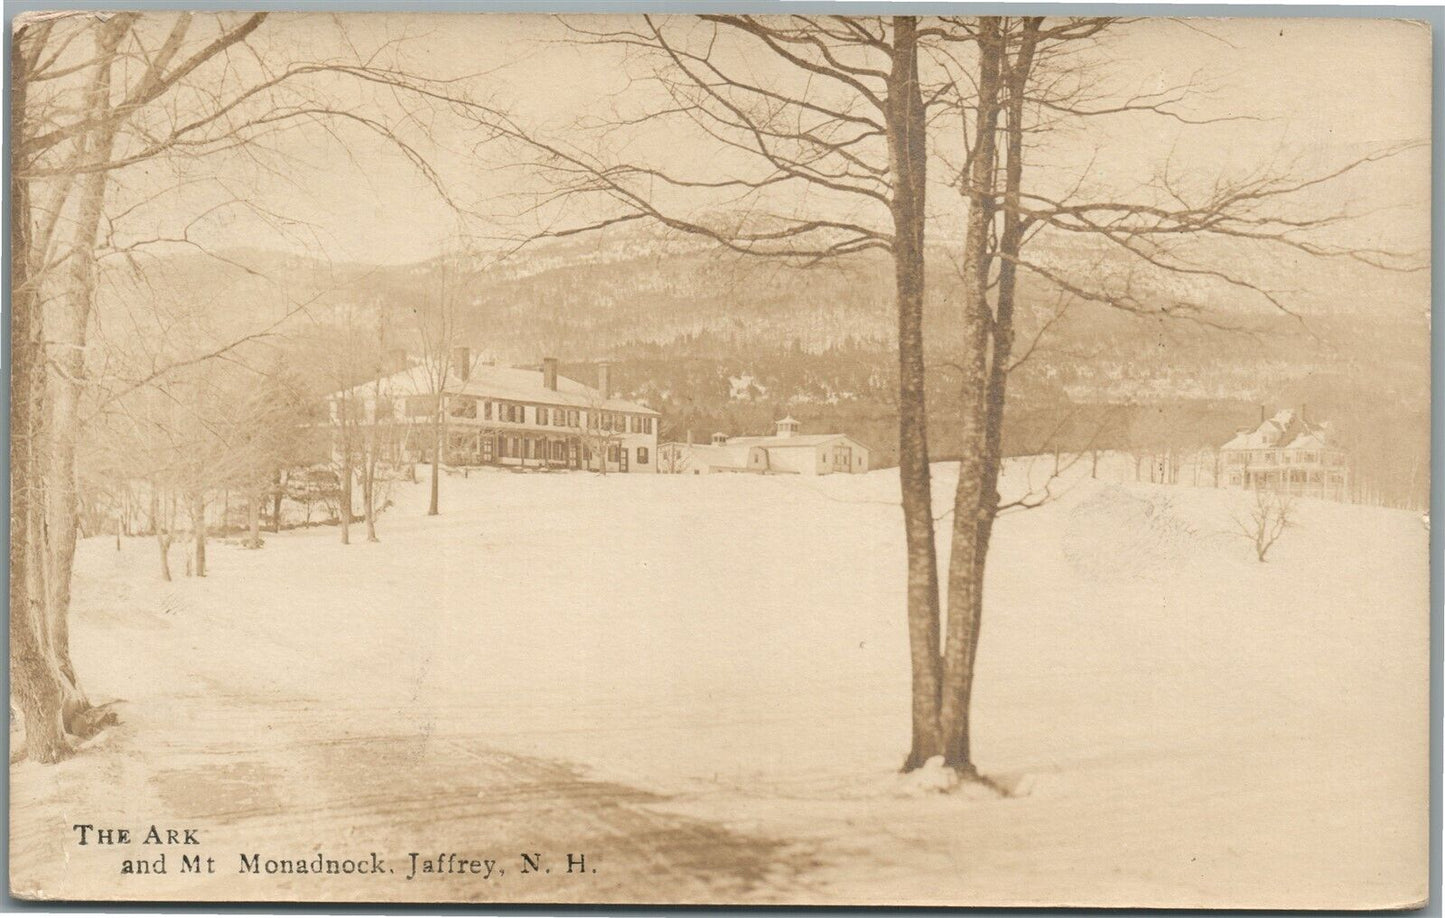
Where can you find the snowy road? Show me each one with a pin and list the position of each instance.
(286, 781)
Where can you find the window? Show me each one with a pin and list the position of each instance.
(642, 455)
(614, 453)
(462, 407)
(649, 425)
(541, 416)
(572, 417)
(487, 410)
(558, 450)
(559, 417)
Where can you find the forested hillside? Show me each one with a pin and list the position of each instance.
(722, 343)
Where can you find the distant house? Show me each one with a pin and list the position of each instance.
(1286, 453)
(786, 453)
(510, 416)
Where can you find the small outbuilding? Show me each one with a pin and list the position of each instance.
(787, 452)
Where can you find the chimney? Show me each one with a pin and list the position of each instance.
(462, 363)
(549, 373)
(1262, 417)
(604, 379)
(689, 436)
(1304, 414)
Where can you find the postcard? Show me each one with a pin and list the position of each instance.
(727, 459)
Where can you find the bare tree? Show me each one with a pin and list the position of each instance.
(350, 361)
(444, 361)
(98, 97)
(672, 460)
(1268, 516)
(845, 129)
(373, 443)
(1016, 77)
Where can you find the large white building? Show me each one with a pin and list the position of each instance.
(510, 416)
(786, 453)
(1287, 453)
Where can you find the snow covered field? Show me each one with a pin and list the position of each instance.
(701, 683)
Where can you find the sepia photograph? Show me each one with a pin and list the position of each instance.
(809, 457)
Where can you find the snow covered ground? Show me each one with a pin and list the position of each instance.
(701, 683)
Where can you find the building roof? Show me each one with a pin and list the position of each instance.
(510, 383)
(1286, 430)
(795, 441)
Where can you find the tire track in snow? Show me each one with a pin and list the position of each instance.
(284, 778)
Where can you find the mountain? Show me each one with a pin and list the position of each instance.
(684, 323)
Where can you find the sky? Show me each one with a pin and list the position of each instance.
(1316, 92)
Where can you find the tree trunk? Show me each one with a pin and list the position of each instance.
(961, 634)
(904, 113)
(276, 503)
(253, 519)
(163, 541)
(436, 462)
(345, 482)
(368, 493)
(61, 492)
(33, 678)
(198, 524)
(162, 533)
(345, 509)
